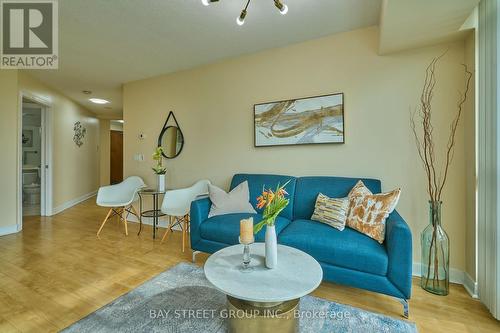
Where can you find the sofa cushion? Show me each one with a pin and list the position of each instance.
(368, 211)
(348, 248)
(308, 188)
(332, 211)
(226, 228)
(256, 182)
(236, 201)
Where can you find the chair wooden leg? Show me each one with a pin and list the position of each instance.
(135, 212)
(183, 239)
(124, 219)
(139, 218)
(104, 222)
(126, 230)
(169, 228)
(188, 230)
(118, 215)
(184, 232)
(126, 210)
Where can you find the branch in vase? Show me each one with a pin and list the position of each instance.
(426, 145)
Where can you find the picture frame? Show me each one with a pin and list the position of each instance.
(302, 121)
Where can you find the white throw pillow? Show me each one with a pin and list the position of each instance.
(236, 201)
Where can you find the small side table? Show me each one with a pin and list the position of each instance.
(155, 213)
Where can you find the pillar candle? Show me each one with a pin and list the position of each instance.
(246, 231)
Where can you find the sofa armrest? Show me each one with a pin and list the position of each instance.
(198, 214)
(398, 243)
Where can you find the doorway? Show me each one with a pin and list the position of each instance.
(116, 157)
(34, 155)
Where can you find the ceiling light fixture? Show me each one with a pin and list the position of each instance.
(98, 101)
(240, 20)
(281, 6)
(207, 2)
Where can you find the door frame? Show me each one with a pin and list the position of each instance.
(46, 172)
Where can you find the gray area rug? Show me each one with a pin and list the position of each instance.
(182, 300)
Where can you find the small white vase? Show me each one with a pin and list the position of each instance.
(271, 247)
(161, 183)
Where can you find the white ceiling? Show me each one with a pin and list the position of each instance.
(104, 43)
(416, 23)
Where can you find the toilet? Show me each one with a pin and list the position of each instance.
(31, 187)
(32, 194)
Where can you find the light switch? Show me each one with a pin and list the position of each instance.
(139, 157)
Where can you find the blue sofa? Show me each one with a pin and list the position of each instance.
(347, 257)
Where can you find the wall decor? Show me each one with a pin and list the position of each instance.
(80, 132)
(311, 120)
(171, 138)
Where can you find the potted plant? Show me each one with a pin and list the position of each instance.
(435, 247)
(273, 203)
(159, 169)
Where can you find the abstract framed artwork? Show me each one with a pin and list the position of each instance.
(311, 120)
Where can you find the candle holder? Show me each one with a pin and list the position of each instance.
(247, 258)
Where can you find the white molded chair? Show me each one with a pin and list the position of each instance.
(176, 204)
(119, 199)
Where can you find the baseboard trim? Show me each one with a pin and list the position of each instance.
(71, 203)
(456, 276)
(471, 286)
(162, 223)
(11, 229)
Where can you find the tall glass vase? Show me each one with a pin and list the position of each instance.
(435, 261)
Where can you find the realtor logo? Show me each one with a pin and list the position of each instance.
(29, 34)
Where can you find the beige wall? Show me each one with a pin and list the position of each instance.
(8, 147)
(470, 171)
(104, 151)
(76, 169)
(214, 107)
(116, 126)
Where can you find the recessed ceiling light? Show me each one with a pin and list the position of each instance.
(87, 92)
(98, 101)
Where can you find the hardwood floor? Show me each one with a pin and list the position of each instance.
(56, 271)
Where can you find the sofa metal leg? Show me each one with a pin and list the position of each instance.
(194, 255)
(406, 307)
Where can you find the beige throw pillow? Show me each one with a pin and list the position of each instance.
(368, 211)
(236, 201)
(331, 211)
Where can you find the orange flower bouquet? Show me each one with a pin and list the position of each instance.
(273, 203)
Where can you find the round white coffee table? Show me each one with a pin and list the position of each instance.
(263, 299)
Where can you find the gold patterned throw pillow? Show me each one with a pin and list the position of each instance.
(368, 211)
(331, 211)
